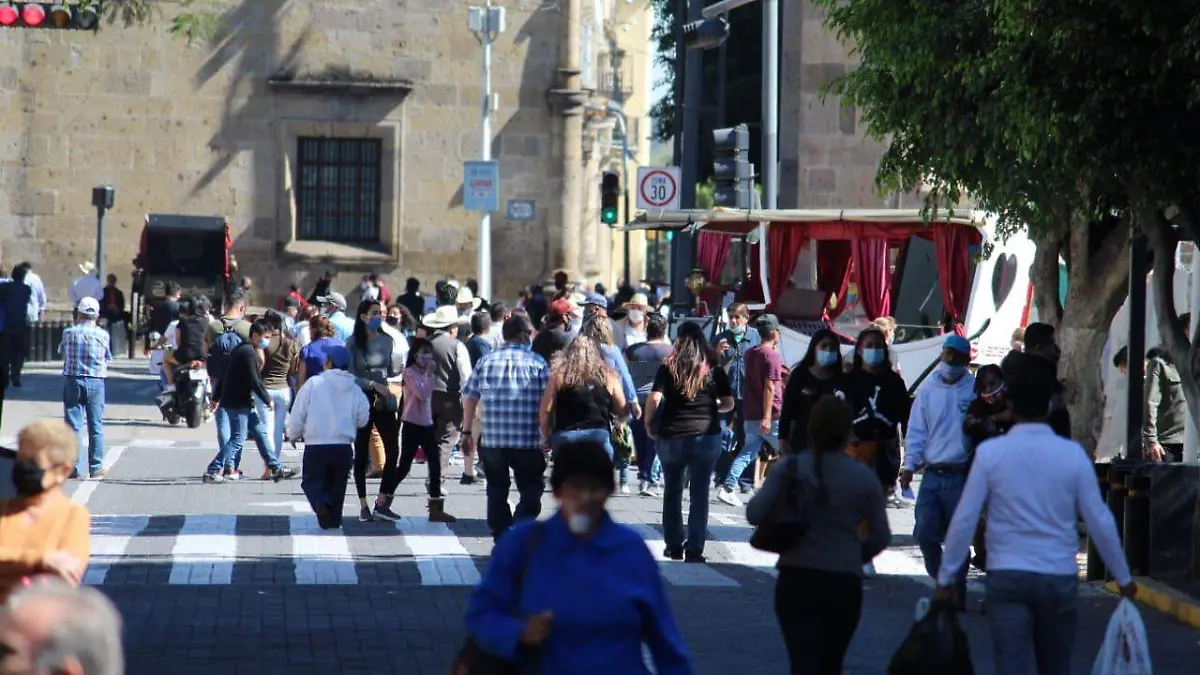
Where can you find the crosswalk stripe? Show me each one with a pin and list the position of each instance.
(205, 551)
(322, 557)
(441, 559)
(677, 573)
(110, 537)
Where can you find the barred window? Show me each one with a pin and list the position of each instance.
(338, 191)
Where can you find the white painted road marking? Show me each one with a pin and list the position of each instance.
(441, 558)
(205, 551)
(110, 537)
(86, 487)
(322, 556)
(679, 573)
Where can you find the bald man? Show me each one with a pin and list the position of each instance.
(50, 628)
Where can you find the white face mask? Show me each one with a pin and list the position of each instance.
(579, 523)
(636, 315)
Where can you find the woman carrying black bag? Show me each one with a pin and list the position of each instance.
(818, 596)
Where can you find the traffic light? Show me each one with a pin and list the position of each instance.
(733, 174)
(77, 14)
(610, 191)
(705, 33)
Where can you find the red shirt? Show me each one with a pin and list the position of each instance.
(762, 364)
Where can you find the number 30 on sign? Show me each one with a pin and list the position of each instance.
(658, 187)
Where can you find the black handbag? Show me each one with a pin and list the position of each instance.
(472, 659)
(787, 521)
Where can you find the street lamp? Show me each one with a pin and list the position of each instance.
(487, 23)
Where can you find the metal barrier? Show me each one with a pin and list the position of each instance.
(42, 339)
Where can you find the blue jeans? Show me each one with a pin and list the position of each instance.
(274, 421)
(750, 448)
(936, 502)
(1033, 618)
(83, 397)
(681, 456)
(647, 454)
(600, 436)
(233, 426)
(254, 430)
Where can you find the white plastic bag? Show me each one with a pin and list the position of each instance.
(1125, 650)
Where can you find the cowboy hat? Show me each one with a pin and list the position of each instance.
(441, 318)
(639, 300)
(466, 297)
(87, 267)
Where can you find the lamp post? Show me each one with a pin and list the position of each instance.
(102, 199)
(487, 23)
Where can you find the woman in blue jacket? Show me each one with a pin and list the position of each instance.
(577, 593)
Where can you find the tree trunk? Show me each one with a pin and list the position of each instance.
(1171, 328)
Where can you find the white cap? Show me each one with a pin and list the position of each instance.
(88, 307)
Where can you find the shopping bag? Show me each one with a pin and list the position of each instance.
(788, 520)
(1125, 650)
(936, 643)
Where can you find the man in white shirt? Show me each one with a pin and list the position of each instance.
(37, 299)
(88, 285)
(1035, 483)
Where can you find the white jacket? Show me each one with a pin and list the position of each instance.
(329, 410)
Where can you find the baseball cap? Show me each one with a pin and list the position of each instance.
(339, 356)
(958, 343)
(560, 307)
(88, 307)
(336, 299)
(767, 322)
(595, 300)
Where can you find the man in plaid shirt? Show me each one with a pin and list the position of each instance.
(509, 382)
(86, 352)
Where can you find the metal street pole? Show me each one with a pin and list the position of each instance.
(100, 242)
(1134, 411)
(770, 104)
(491, 29)
(683, 244)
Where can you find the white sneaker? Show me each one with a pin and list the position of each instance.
(869, 570)
(728, 496)
(624, 489)
(644, 488)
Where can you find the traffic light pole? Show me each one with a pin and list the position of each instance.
(770, 105)
(689, 81)
(486, 37)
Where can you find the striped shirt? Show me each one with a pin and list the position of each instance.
(85, 350)
(509, 383)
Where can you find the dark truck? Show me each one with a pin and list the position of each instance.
(192, 251)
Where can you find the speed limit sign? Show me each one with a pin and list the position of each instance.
(658, 187)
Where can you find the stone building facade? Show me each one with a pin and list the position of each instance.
(330, 133)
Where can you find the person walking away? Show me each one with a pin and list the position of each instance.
(599, 329)
(190, 330)
(1041, 353)
(112, 307)
(328, 413)
(582, 398)
(312, 356)
(819, 591)
(233, 399)
(334, 306)
(819, 374)
(411, 298)
(732, 345)
(322, 288)
(1112, 436)
(1035, 485)
(509, 384)
(546, 603)
(689, 393)
(282, 353)
(479, 345)
(632, 329)
(499, 313)
(166, 311)
(16, 295)
(761, 405)
(17, 341)
(1166, 409)
(42, 531)
(52, 627)
(417, 431)
(936, 442)
(451, 370)
(88, 285)
(989, 416)
(644, 360)
(374, 368)
(553, 337)
(86, 354)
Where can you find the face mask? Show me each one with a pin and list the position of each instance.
(994, 394)
(27, 478)
(424, 360)
(588, 315)
(953, 372)
(579, 523)
(827, 359)
(874, 356)
(393, 320)
(262, 343)
(636, 315)
(739, 330)
(375, 322)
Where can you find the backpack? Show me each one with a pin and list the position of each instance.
(220, 351)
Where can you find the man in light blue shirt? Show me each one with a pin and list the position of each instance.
(334, 305)
(936, 442)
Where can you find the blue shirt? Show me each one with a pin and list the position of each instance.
(343, 326)
(313, 355)
(739, 344)
(605, 592)
(85, 350)
(509, 383)
(616, 361)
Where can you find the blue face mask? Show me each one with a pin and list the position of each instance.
(739, 330)
(262, 344)
(827, 359)
(953, 372)
(873, 356)
(375, 322)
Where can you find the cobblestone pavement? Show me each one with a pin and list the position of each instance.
(235, 578)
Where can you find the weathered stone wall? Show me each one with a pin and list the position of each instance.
(198, 129)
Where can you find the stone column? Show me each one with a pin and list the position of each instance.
(568, 99)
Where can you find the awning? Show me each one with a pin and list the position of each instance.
(739, 222)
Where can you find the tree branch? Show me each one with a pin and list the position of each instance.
(1045, 278)
(1163, 240)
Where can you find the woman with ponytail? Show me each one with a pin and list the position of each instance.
(818, 594)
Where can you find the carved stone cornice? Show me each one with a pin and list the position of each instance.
(569, 102)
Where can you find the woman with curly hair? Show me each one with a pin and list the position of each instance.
(582, 398)
(689, 393)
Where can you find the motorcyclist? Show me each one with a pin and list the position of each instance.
(189, 340)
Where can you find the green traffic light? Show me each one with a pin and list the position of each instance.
(608, 216)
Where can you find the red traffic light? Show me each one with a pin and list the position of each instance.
(8, 15)
(33, 15)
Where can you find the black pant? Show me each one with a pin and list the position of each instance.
(17, 348)
(528, 468)
(415, 437)
(324, 481)
(447, 422)
(1172, 452)
(388, 426)
(818, 612)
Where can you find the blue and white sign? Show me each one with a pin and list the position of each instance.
(481, 185)
(522, 209)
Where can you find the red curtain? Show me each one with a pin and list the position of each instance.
(833, 273)
(783, 246)
(712, 251)
(874, 276)
(950, 245)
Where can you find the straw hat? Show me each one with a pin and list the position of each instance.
(442, 317)
(466, 297)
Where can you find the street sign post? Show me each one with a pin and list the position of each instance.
(481, 185)
(658, 187)
(521, 209)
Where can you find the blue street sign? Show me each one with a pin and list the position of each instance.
(481, 185)
(522, 209)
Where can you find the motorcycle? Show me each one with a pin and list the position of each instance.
(189, 401)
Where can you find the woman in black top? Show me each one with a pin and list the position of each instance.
(582, 397)
(819, 373)
(881, 404)
(690, 390)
